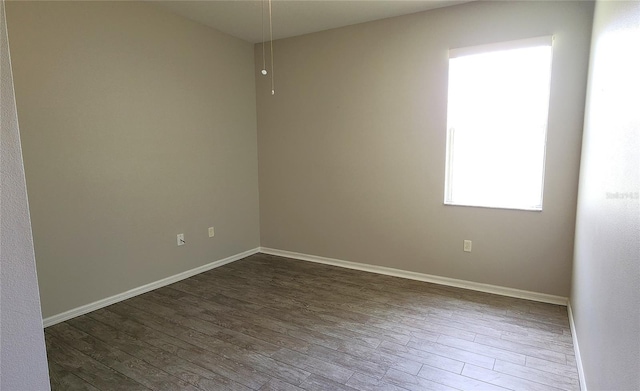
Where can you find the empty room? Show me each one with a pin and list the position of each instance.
(320, 195)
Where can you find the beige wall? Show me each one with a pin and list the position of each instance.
(352, 147)
(137, 125)
(605, 296)
(23, 359)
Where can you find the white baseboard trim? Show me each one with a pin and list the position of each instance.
(476, 286)
(50, 321)
(576, 349)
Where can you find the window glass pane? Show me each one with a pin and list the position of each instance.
(497, 120)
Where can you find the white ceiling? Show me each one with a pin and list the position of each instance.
(243, 18)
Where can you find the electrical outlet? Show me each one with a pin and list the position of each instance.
(181, 240)
(211, 232)
(467, 246)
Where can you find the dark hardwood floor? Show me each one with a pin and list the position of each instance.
(271, 323)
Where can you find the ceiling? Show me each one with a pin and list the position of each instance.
(243, 18)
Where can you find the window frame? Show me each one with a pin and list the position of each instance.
(449, 151)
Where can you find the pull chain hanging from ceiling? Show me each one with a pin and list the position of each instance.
(273, 91)
(264, 67)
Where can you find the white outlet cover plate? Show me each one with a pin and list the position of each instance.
(467, 246)
(211, 232)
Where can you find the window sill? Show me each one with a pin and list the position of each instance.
(526, 209)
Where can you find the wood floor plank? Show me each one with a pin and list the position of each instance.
(458, 381)
(242, 321)
(557, 318)
(532, 325)
(185, 329)
(279, 385)
(487, 350)
(272, 323)
(91, 371)
(237, 371)
(313, 365)
(526, 349)
(407, 363)
(62, 379)
(504, 380)
(319, 383)
(179, 367)
(367, 383)
(136, 369)
(540, 342)
(415, 383)
(425, 357)
(567, 370)
(210, 324)
(346, 360)
(449, 352)
(550, 379)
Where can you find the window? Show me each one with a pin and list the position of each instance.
(497, 114)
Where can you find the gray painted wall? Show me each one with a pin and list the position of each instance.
(137, 125)
(352, 147)
(23, 361)
(605, 297)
